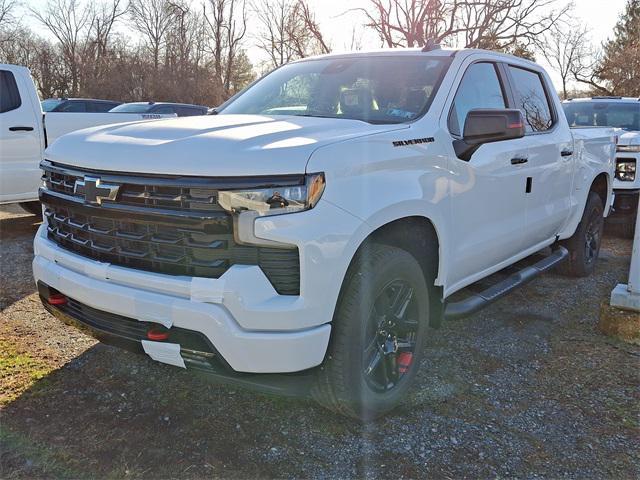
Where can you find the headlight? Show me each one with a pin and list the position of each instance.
(626, 169)
(275, 200)
(628, 148)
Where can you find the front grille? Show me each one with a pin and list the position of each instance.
(169, 227)
(175, 196)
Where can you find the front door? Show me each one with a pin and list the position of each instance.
(20, 145)
(488, 191)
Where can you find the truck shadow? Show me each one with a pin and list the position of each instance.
(16, 254)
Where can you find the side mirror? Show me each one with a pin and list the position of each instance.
(487, 126)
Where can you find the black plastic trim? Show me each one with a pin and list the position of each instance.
(478, 301)
(214, 366)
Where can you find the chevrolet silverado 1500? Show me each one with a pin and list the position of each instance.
(314, 230)
(25, 131)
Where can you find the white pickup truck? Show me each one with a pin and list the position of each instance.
(311, 233)
(25, 131)
(622, 113)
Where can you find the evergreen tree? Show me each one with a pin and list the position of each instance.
(620, 65)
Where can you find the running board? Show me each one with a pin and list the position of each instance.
(478, 301)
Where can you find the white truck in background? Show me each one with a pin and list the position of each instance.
(314, 231)
(25, 131)
(622, 113)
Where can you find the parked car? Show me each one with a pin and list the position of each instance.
(25, 132)
(622, 113)
(311, 234)
(91, 105)
(180, 109)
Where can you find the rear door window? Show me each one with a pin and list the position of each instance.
(73, 107)
(480, 88)
(101, 107)
(532, 99)
(163, 110)
(9, 93)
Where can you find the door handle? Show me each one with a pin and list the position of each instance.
(519, 160)
(20, 129)
(566, 153)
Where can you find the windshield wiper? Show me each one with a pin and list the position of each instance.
(371, 122)
(319, 116)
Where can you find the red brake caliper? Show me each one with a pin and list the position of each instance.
(404, 361)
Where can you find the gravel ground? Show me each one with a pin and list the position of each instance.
(528, 388)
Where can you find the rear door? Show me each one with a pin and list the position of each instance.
(550, 161)
(20, 136)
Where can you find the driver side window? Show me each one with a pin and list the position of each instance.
(480, 88)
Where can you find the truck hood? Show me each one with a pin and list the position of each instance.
(629, 138)
(221, 145)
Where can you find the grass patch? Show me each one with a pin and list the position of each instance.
(22, 458)
(18, 370)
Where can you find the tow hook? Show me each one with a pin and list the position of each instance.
(57, 299)
(158, 333)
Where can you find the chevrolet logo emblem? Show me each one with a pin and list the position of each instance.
(95, 191)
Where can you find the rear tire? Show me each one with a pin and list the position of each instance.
(34, 208)
(378, 332)
(584, 245)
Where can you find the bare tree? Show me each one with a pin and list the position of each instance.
(9, 24)
(227, 22)
(152, 18)
(309, 19)
(565, 48)
(274, 17)
(468, 23)
(69, 22)
(288, 30)
(97, 48)
(7, 8)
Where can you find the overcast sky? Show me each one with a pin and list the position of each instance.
(338, 23)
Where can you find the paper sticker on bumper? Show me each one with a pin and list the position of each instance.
(164, 352)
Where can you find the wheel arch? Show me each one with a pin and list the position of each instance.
(601, 186)
(418, 236)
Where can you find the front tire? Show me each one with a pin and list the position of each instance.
(379, 329)
(584, 245)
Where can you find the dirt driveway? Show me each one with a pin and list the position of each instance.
(527, 388)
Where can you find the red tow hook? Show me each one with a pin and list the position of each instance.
(57, 299)
(404, 361)
(158, 334)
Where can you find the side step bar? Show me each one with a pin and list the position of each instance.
(478, 301)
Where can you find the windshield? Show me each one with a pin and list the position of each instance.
(132, 108)
(49, 104)
(374, 89)
(624, 115)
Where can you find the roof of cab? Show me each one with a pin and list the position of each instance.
(167, 103)
(604, 98)
(435, 52)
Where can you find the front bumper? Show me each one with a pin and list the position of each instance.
(193, 304)
(625, 205)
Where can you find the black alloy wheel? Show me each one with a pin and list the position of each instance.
(391, 337)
